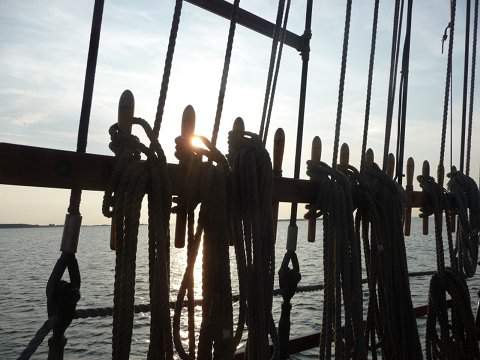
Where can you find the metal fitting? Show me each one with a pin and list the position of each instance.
(292, 236)
(71, 232)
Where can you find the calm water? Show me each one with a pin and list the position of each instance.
(28, 255)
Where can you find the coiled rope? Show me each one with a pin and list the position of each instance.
(341, 264)
(131, 180)
(466, 197)
(252, 220)
(390, 311)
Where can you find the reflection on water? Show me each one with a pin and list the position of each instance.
(27, 257)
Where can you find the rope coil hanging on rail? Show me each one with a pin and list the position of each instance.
(131, 180)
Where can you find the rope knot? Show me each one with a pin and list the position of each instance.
(121, 143)
(62, 296)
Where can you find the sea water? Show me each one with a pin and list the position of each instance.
(28, 255)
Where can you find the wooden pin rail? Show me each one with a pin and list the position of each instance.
(41, 167)
(249, 20)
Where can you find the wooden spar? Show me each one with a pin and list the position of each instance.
(34, 166)
(249, 20)
(278, 149)
(409, 189)
(126, 109)
(425, 173)
(390, 165)
(316, 155)
(187, 131)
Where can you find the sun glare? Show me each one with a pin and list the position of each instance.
(197, 142)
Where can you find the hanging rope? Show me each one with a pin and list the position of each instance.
(273, 55)
(342, 310)
(458, 341)
(226, 67)
(369, 82)
(167, 67)
(465, 193)
(252, 213)
(472, 88)
(448, 79)
(131, 180)
(341, 86)
(465, 85)
(396, 36)
(277, 70)
(403, 97)
(390, 315)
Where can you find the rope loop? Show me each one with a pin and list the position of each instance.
(289, 278)
(63, 296)
(465, 194)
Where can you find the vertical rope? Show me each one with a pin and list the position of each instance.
(404, 93)
(277, 70)
(369, 81)
(273, 54)
(226, 67)
(448, 87)
(341, 87)
(472, 87)
(168, 67)
(465, 85)
(396, 35)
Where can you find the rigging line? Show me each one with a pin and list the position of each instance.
(307, 34)
(273, 55)
(341, 86)
(369, 82)
(226, 68)
(277, 70)
(396, 35)
(76, 193)
(404, 95)
(448, 88)
(167, 67)
(451, 121)
(472, 87)
(465, 85)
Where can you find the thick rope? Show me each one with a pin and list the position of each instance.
(131, 180)
(458, 340)
(466, 197)
(252, 196)
(216, 336)
(390, 315)
(472, 88)
(226, 68)
(341, 86)
(167, 67)
(369, 82)
(342, 268)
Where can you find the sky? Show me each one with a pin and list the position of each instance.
(43, 52)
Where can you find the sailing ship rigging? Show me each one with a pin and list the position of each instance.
(229, 200)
